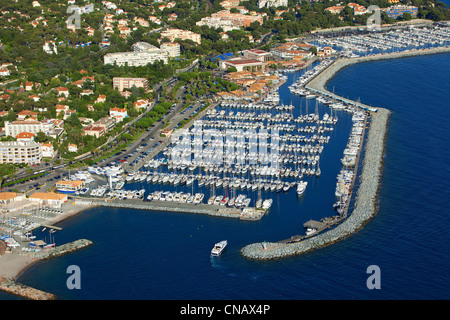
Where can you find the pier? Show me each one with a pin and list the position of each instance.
(247, 214)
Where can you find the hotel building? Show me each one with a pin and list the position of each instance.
(28, 152)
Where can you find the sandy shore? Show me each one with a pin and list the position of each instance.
(14, 264)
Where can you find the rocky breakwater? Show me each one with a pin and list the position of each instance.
(365, 201)
(24, 291)
(62, 249)
(319, 83)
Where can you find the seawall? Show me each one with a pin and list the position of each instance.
(319, 82)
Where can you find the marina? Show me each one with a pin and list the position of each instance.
(244, 185)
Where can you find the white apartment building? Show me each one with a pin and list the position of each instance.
(173, 34)
(211, 22)
(172, 49)
(136, 59)
(49, 127)
(20, 152)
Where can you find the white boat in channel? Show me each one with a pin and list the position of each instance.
(218, 248)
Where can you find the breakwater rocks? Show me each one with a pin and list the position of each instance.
(365, 201)
(24, 291)
(319, 82)
(62, 249)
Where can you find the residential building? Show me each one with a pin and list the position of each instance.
(172, 49)
(229, 21)
(4, 72)
(29, 86)
(50, 127)
(257, 54)
(357, 9)
(20, 152)
(26, 113)
(47, 150)
(25, 137)
(118, 114)
(63, 91)
(100, 99)
(120, 83)
(107, 123)
(72, 148)
(142, 104)
(173, 34)
(335, 9)
(136, 59)
(96, 131)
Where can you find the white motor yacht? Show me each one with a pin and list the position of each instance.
(218, 248)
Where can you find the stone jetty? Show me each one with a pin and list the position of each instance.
(365, 202)
(18, 289)
(168, 206)
(62, 249)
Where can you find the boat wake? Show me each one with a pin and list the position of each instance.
(215, 263)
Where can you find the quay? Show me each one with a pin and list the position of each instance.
(247, 214)
(51, 227)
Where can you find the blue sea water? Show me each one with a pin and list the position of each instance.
(154, 255)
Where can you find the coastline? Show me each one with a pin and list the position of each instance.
(20, 265)
(366, 206)
(12, 265)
